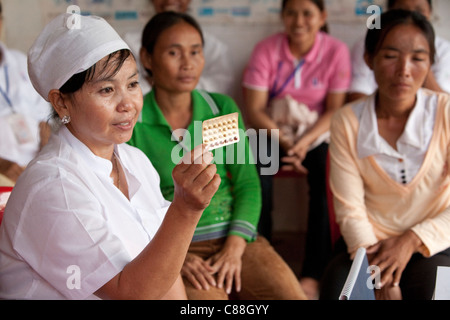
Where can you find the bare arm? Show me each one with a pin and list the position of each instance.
(298, 152)
(256, 105)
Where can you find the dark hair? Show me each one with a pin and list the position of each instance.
(108, 69)
(117, 59)
(393, 18)
(161, 22)
(391, 4)
(319, 3)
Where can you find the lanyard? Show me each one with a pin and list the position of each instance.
(275, 92)
(4, 93)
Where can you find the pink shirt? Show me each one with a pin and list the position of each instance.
(326, 69)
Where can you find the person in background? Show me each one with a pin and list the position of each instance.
(226, 259)
(389, 160)
(86, 219)
(363, 80)
(217, 75)
(302, 69)
(23, 115)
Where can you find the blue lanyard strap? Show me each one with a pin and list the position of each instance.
(5, 93)
(276, 92)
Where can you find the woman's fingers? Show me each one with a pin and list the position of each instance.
(195, 179)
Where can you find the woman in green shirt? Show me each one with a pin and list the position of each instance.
(226, 255)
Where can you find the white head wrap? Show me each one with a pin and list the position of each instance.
(64, 49)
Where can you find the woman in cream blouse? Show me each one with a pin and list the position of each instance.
(389, 161)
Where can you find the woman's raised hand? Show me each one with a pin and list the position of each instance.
(196, 180)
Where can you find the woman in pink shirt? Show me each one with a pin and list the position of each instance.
(298, 79)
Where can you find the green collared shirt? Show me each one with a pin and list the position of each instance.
(235, 208)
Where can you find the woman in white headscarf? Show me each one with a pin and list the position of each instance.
(87, 220)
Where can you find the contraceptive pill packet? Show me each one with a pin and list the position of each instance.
(221, 131)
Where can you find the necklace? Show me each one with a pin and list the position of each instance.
(117, 172)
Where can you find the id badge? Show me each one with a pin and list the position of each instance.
(22, 131)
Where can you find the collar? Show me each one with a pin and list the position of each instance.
(369, 142)
(314, 55)
(102, 167)
(99, 165)
(204, 108)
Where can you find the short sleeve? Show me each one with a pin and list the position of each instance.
(341, 77)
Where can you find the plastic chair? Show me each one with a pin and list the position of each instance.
(5, 192)
(335, 233)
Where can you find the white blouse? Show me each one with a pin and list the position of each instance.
(402, 164)
(67, 230)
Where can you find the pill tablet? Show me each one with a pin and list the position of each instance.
(222, 131)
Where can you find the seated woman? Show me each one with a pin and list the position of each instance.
(87, 219)
(389, 161)
(226, 255)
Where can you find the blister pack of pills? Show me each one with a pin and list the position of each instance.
(221, 131)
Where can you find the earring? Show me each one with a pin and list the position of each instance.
(66, 120)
